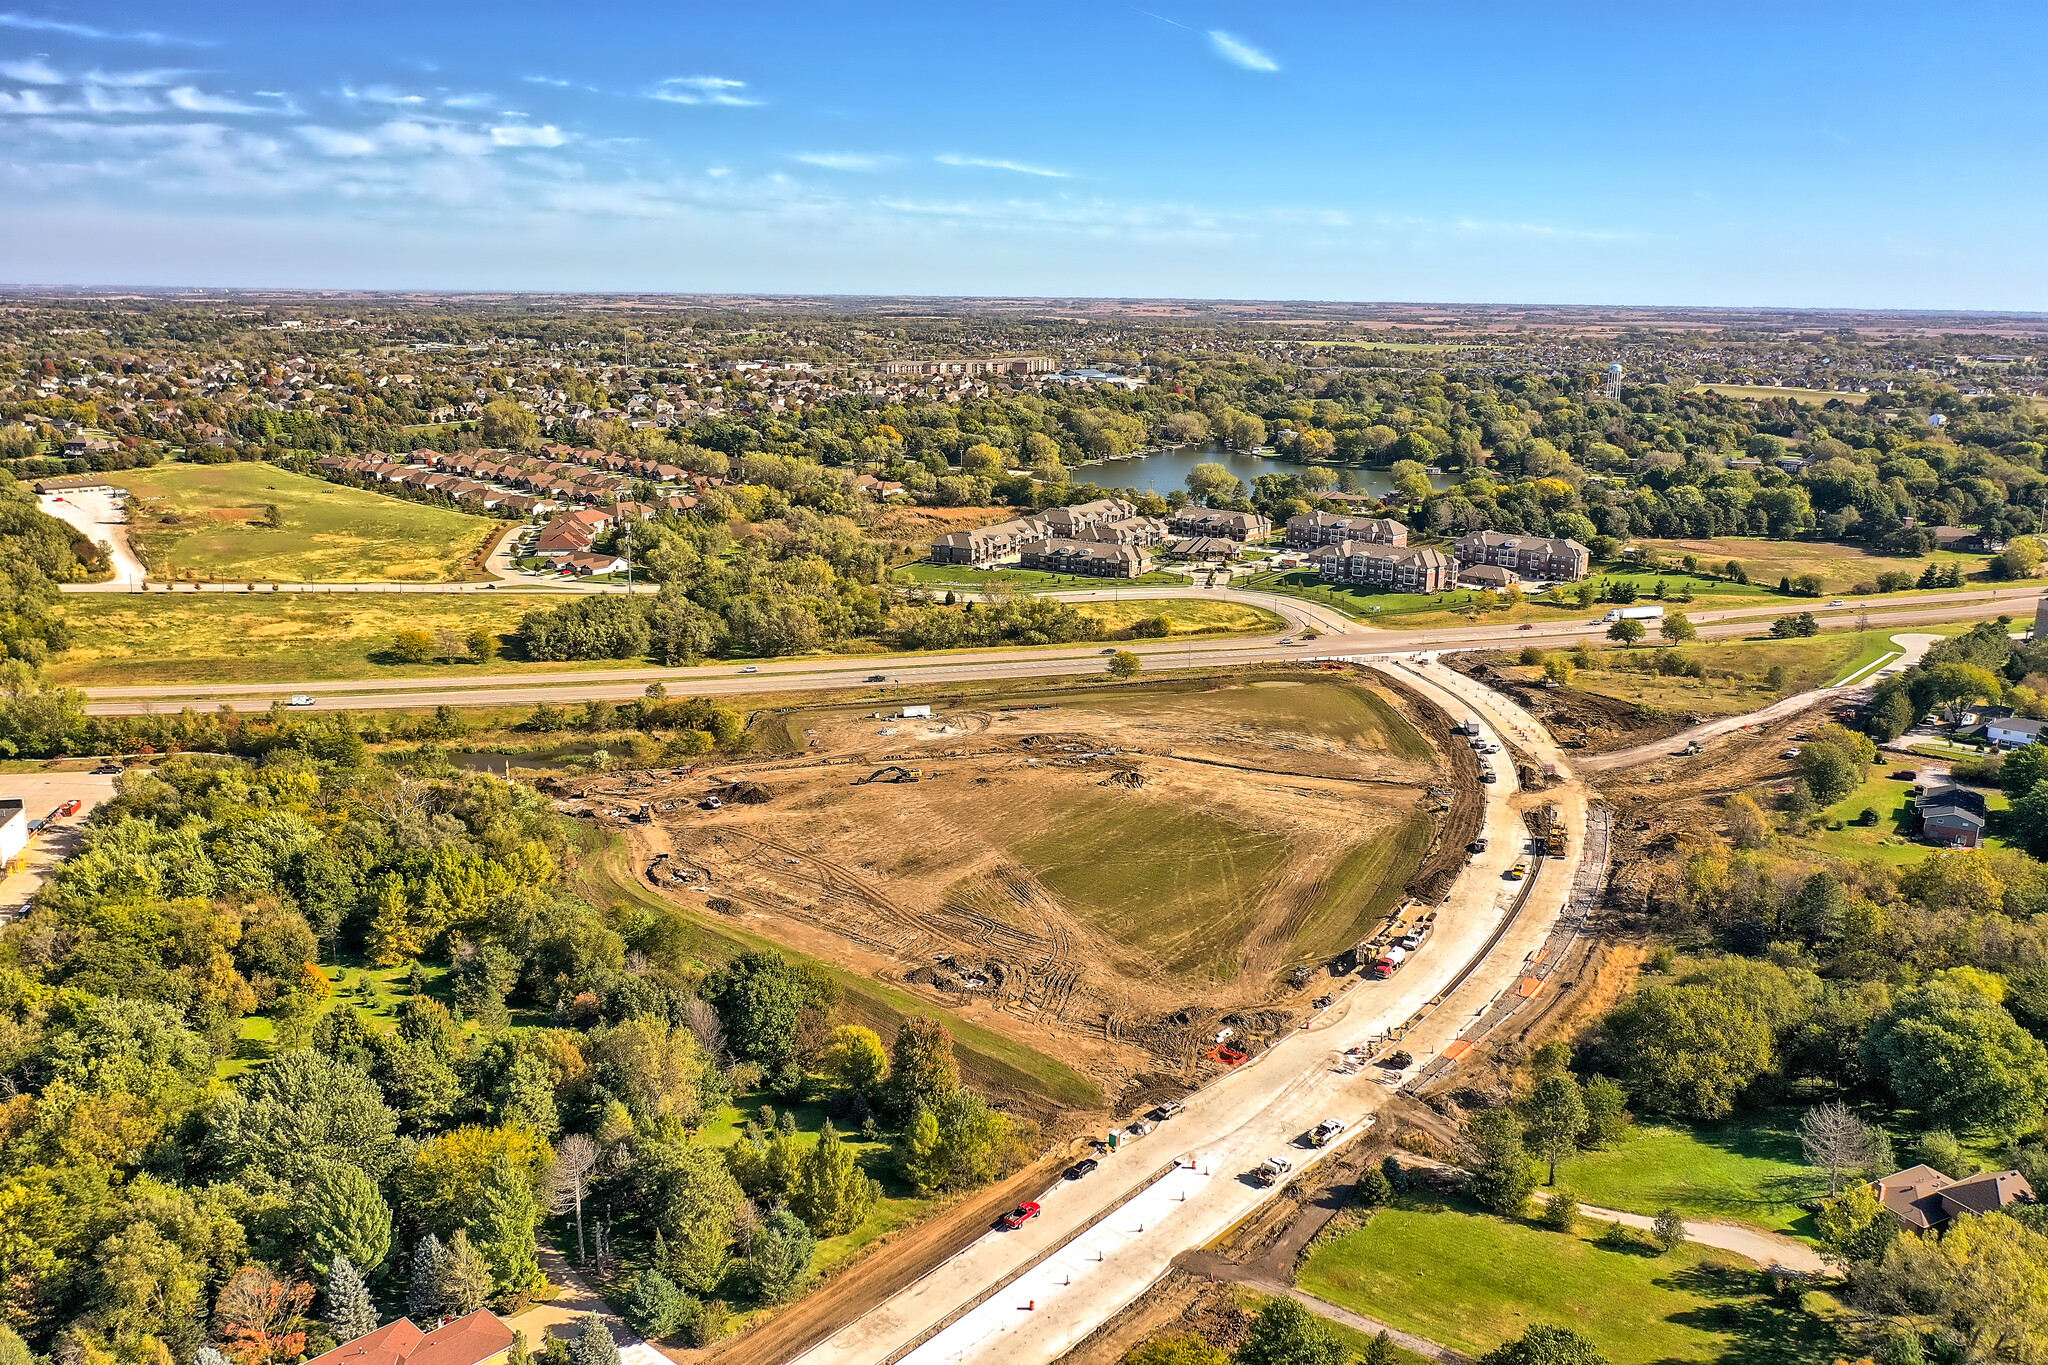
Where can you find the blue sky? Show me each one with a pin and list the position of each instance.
(1861, 155)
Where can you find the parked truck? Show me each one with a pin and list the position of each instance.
(1269, 1171)
(1387, 963)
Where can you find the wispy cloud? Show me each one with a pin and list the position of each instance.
(522, 135)
(35, 24)
(469, 100)
(702, 90)
(547, 80)
(839, 161)
(1238, 52)
(196, 101)
(995, 164)
(382, 94)
(33, 71)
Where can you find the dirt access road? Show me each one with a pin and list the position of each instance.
(99, 517)
(1103, 1240)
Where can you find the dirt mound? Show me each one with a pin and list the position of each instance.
(1586, 720)
(745, 794)
(1129, 778)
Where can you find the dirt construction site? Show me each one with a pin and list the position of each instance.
(1136, 878)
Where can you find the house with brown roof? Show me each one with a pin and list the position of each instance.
(481, 1338)
(1923, 1198)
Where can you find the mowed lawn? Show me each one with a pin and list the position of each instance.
(327, 533)
(1746, 1169)
(1181, 886)
(1891, 839)
(1470, 1281)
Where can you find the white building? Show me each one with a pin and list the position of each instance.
(13, 829)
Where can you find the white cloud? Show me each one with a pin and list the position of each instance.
(100, 99)
(1240, 53)
(382, 94)
(467, 101)
(547, 80)
(134, 80)
(519, 136)
(196, 101)
(335, 142)
(840, 161)
(701, 90)
(33, 71)
(30, 102)
(993, 164)
(35, 25)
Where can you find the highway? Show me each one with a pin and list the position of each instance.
(1336, 636)
(1030, 1295)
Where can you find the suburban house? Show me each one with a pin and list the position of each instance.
(1404, 568)
(1957, 538)
(1487, 576)
(1923, 1198)
(1311, 529)
(1205, 547)
(481, 1338)
(1953, 816)
(584, 563)
(2011, 732)
(1554, 560)
(1092, 557)
(1205, 521)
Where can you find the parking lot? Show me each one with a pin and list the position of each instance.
(41, 794)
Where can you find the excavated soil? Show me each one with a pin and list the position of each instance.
(1579, 719)
(1114, 875)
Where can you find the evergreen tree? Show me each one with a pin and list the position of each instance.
(922, 1070)
(781, 1254)
(350, 1313)
(393, 939)
(465, 1283)
(1285, 1333)
(342, 1215)
(595, 1346)
(506, 1212)
(831, 1192)
(423, 1299)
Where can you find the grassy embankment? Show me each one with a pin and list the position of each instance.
(322, 532)
(960, 578)
(1469, 1280)
(293, 637)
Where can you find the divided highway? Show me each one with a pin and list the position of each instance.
(1339, 635)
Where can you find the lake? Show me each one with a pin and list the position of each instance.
(1162, 471)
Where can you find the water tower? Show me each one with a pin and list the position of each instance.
(1614, 381)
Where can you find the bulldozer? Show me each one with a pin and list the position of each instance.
(892, 773)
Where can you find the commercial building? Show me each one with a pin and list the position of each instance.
(1544, 557)
(1207, 521)
(1487, 576)
(1311, 529)
(1403, 568)
(1094, 558)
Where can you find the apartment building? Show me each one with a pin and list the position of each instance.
(1311, 529)
(1403, 568)
(1095, 558)
(1554, 560)
(1207, 521)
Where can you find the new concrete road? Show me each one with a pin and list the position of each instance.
(1339, 637)
(1029, 1295)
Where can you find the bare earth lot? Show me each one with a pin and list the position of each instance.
(1117, 868)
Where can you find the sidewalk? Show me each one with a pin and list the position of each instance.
(1765, 1248)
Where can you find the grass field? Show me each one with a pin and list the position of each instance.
(1891, 839)
(1779, 391)
(325, 533)
(1767, 561)
(1119, 862)
(1362, 887)
(1737, 670)
(1748, 1169)
(1187, 616)
(1471, 1281)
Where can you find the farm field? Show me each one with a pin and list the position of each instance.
(1154, 853)
(1761, 391)
(1470, 1280)
(312, 637)
(323, 532)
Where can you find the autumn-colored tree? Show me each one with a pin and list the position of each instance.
(260, 1318)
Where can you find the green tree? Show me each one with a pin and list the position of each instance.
(1669, 1229)
(594, 1344)
(1957, 1054)
(1677, 628)
(393, 937)
(509, 426)
(464, 1281)
(1607, 1118)
(1954, 686)
(1686, 1050)
(1375, 1191)
(1285, 1333)
(780, 1256)
(1555, 1112)
(656, 1306)
(692, 1201)
(922, 1071)
(1830, 773)
(1502, 1179)
(423, 1286)
(303, 1113)
(482, 645)
(1561, 1210)
(506, 1212)
(760, 996)
(831, 1193)
(1124, 664)
(1626, 631)
(1545, 1344)
(413, 646)
(2030, 819)
(1179, 1348)
(856, 1059)
(350, 1311)
(1211, 483)
(341, 1215)
(1985, 1280)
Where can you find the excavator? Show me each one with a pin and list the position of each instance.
(892, 773)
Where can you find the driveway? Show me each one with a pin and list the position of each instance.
(40, 795)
